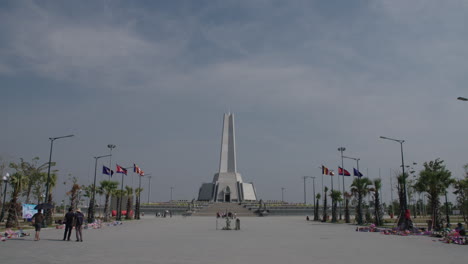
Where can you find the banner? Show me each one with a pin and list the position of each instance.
(28, 210)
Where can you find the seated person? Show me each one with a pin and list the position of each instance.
(460, 229)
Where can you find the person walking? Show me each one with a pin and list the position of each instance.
(37, 219)
(68, 224)
(79, 219)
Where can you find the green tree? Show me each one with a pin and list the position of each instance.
(360, 189)
(74, 194)
(335, 197)
(377, 206)
(138, 192)
(461, 191)
(107, 188)
(316, 208)
(435, 179)
(129, 194)
(37, 177)
(19, 181)
(325, 190)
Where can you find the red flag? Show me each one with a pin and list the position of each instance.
(121, 170)
(332, 173)
(340, 172)
(142, 173)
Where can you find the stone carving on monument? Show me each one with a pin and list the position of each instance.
(227, 184)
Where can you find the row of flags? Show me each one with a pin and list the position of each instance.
(341, 171)
(120, 169)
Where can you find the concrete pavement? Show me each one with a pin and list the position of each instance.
(260, 240)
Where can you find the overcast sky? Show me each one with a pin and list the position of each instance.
(302, 78)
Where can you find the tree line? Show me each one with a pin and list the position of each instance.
(28, 182)
(433, 181)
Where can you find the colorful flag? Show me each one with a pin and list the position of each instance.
(136, 169)
(121, 170)
(325, 170)
(331, 173)
(357, 173)
(107, 171)
(340, 172)
(142, 173)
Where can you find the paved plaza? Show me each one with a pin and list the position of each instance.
(260, 240)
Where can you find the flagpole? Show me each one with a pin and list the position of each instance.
(110, 146)
(92, 202)
(341, 149)
(119, 213)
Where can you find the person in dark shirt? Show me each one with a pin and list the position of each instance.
(79, 219)
(37, 218)
(68, 224)
(460, 229)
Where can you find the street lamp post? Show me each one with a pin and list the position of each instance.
(172, 188)
(404, 202)
(111, 147)
(48, 170)
(356, 159)
(5, 181)
(93, 199)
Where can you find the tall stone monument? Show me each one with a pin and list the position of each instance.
(227, 185)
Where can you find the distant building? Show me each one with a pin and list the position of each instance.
(227, 185)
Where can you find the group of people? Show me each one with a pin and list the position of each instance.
(227, 214)
(73, 219)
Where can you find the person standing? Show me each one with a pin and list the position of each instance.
(79, 219)
(37, 219)
(68, 224)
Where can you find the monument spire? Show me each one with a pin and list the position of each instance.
(227, 161)
(227, 185)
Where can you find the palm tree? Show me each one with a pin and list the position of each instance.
(107, 188)
(19, 181)
(325, 190)
(335, 197)
(347, 196)
(435, 179)
(138, 191)
(377, 206)
(88, 193)
(119, 194)
(52, 183)
(316, 209)
(360, 188)
(129, 194)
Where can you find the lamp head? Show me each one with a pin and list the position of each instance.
(6, 177)
(462, 99)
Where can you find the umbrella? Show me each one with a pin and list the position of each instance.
(43, 206)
